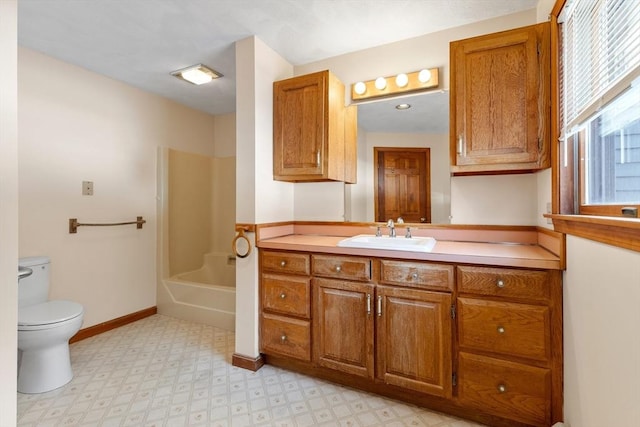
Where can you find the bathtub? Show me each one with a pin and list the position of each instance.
(206, 295)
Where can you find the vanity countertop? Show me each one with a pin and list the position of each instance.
(519, 254)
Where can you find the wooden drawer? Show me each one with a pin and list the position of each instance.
(514, 329)
(343, 267)
(288, 295)
(504, 282)
(286, 262)
(286, 336)
(511, 390)
(416, 274)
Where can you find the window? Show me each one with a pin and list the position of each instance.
(599, 90)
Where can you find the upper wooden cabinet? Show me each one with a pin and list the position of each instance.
(314, 134)
(500, 100)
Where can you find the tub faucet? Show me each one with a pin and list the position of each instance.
(392, 228)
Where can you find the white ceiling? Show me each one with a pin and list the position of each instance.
(140, 42)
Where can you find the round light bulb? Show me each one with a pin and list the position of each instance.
(402, 80)
(424, 76)
(381, 83)
(360, 88)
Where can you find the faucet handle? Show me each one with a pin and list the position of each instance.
(408, 235)
(378, 232)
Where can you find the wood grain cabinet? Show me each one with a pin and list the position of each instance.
(314, 133)
(477, 341)
(411, 328)
(500, 102)
(285, 298)
(510, 343)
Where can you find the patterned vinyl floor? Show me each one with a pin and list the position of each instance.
(162, 371)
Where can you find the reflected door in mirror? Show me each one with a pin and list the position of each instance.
(402, 187)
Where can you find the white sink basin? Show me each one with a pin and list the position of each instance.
(370, 241)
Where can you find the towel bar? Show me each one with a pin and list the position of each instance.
(74, 224)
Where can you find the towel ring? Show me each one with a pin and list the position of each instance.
(234, 244)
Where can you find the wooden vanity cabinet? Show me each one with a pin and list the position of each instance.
(510, 342)
(500, 102)
(285, 300)
(476, 341)
(314, 134)
(343, 318)
(411, 328)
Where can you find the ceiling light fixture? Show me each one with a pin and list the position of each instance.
(197, 74)
(395, 85)
(403, 106)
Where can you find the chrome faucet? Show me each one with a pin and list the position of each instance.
(392, 228)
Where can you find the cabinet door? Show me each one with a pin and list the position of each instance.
(414, 339)
(343, 326)
(299, 126)
(499, 96)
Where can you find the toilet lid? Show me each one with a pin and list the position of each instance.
(48, 312)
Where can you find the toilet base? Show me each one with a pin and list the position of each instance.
(44, 369)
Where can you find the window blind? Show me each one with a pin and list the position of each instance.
(601, 55)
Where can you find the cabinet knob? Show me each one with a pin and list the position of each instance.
(500, 283)
(283, 263)
(283, 295)
(338, 268)
(500, 330)
(414, 276)
(283, 338)
(502, 388)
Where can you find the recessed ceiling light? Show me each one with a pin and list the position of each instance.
(403, 106)
(197, 74)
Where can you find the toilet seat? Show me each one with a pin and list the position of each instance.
(47, 315)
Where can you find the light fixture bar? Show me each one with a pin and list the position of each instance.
(395, 85)
(197, 74)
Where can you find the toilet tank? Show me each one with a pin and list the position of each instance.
(34, 289)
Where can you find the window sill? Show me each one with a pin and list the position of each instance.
(615, 231)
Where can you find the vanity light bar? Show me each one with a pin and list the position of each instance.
(395, 85)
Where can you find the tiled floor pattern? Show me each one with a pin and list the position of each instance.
(162, 371)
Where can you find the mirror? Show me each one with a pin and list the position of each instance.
(380, 124)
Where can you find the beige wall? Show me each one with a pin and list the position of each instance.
(75, 125)
(601, 339)
(8, 210)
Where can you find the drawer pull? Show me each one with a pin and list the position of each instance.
(283, 263)
(502, 388)
(379, 305)
(500, 283)
(283, 338)
(368, 304)
(414, 276)
(338, 268)
(283, 295)
(500, 330)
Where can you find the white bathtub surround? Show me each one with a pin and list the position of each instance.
(196, 269)
(206, 295)
(164, 371)
(218, 268)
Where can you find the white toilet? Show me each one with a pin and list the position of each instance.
(44, 330)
